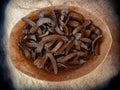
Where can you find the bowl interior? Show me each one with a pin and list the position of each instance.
(28, 68)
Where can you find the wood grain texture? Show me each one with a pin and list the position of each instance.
(17, 9)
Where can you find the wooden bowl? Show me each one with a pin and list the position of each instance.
(28, 68)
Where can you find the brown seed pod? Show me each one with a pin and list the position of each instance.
(60, 40)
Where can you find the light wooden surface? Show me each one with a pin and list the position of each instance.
(101, 8)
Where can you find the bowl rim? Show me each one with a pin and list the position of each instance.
(54, 78)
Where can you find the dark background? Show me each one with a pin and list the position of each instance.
(5, 81)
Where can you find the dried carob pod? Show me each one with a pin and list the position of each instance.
(62, 40)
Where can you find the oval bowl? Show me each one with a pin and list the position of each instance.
(28, 68)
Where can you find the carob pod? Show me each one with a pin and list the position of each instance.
(62, 40)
